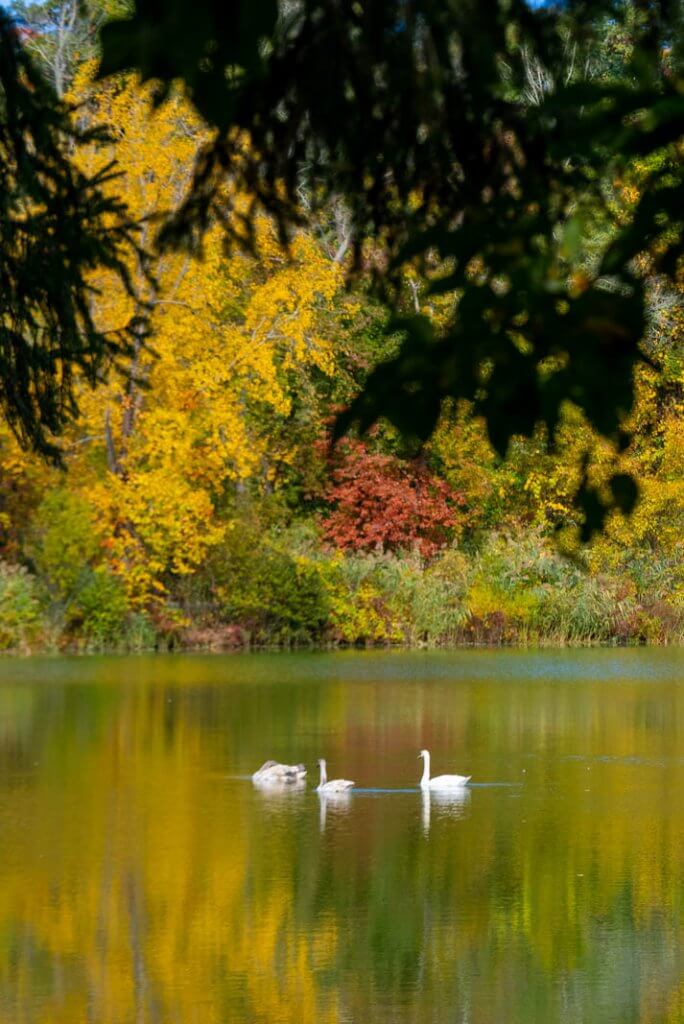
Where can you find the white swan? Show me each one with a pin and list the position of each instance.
(440, 782)
(335, 785)
(273, 772)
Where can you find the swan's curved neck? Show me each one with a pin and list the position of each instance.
(324, 774)
(426, 770)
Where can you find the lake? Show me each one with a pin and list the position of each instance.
(143, 877)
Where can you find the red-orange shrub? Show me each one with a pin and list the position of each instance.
(382, 502)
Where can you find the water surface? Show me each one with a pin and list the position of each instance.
(143, 878)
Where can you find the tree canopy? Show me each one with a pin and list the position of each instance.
(467, 143)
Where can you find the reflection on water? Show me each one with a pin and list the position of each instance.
(453, 804)
(144, 878)
(272, 789)
(338, 802)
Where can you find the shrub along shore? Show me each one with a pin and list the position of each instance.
(288, 591)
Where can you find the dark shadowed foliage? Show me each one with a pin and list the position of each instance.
(413, 114)
(56, 226)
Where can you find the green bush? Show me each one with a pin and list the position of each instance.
(543, 595)
(583, 613)
(423, 604)
(64, 544)
(275, 594)
(99, 609)
(88, 600)
(358, 587)
(21, 607)
(139, 634)
(388, 598)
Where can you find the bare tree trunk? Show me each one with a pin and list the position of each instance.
(113, 464)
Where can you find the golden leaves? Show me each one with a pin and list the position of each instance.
(226, 332)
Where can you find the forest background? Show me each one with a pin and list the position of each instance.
(201, 503)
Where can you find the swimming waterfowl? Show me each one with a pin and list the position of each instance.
(335, 785)
(440, 782)
(273, 771)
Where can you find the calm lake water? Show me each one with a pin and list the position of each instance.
(143, 878)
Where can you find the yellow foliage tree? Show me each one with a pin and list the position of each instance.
(190, 415)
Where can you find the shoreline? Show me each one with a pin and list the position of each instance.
(550, 643)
